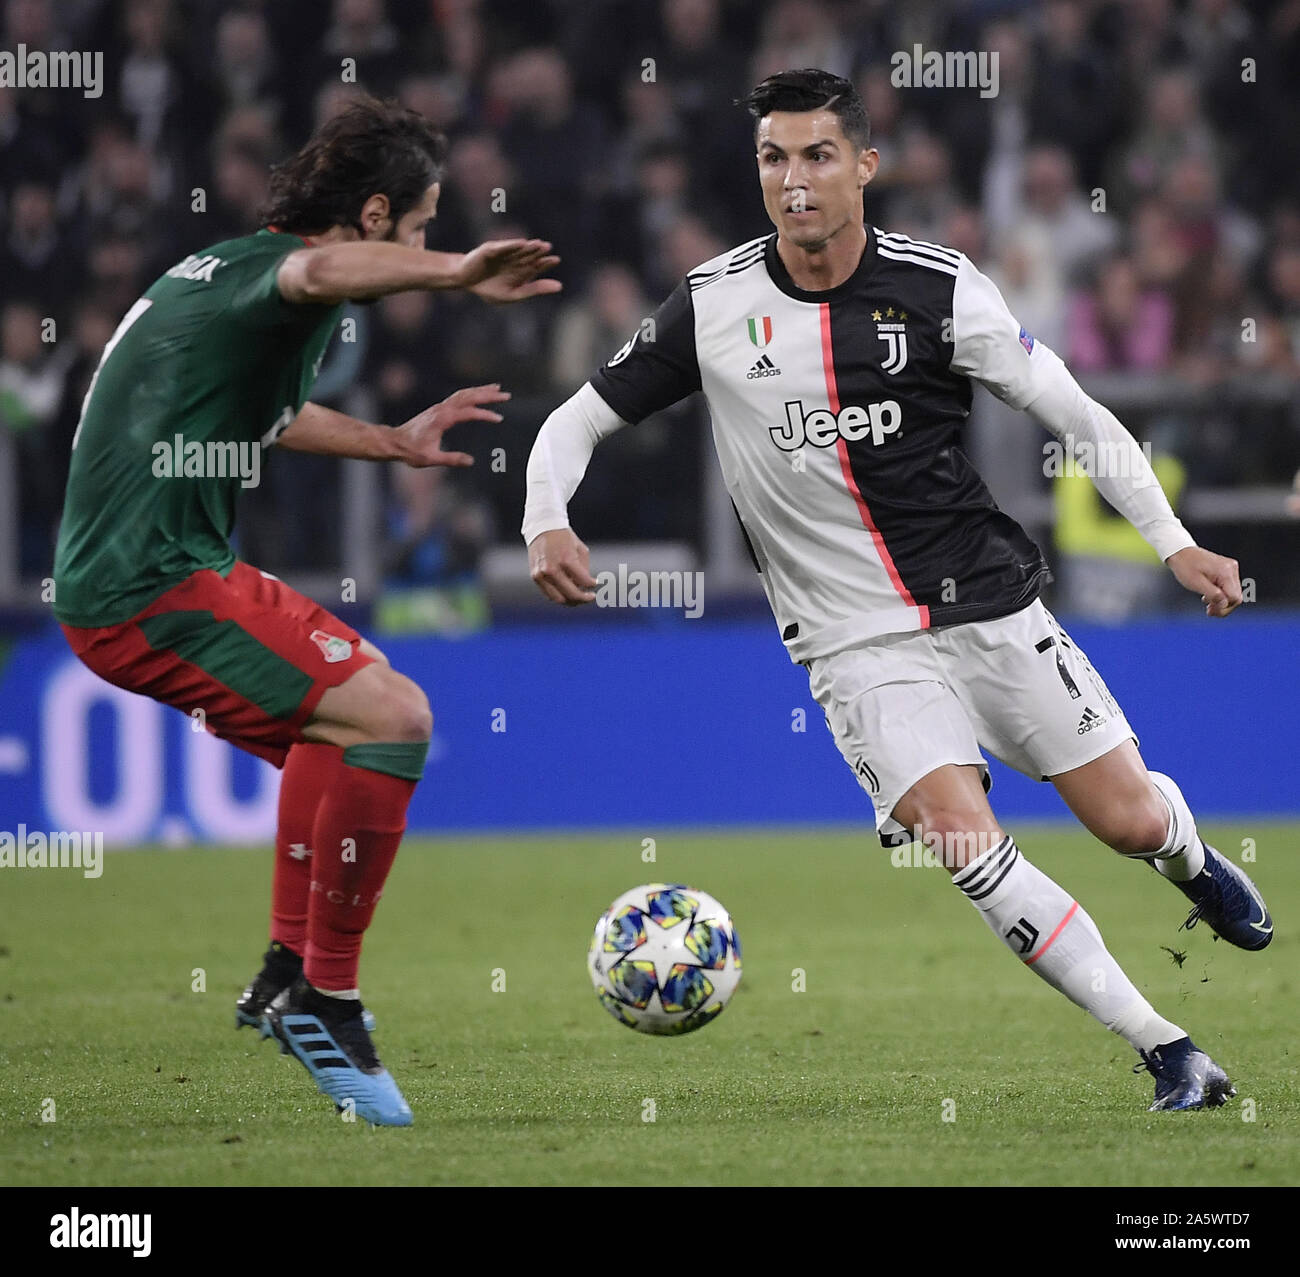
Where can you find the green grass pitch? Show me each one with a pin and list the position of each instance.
(909, 1002)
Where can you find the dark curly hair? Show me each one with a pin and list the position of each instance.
(372, 147)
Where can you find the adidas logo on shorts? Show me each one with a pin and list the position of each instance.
(1090, 720)
(763, 368)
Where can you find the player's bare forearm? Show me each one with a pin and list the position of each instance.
(328, 433)
(416, 443)
(360, 271)
(498, 271)
(1215, 578)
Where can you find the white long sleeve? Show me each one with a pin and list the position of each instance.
(990, 346)
(1122, 473)
(559, 459)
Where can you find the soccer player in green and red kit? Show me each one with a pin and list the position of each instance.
(222, 351)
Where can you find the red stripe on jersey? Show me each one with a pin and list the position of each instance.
(842, 447)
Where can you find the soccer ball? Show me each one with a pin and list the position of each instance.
(664, 958)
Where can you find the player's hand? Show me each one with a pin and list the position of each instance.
(1210, 575)
(507, 270)
(420, 439)
(561, 566)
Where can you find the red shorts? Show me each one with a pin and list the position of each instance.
(252, 654)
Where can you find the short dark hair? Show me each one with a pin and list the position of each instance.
(372, 147)
(811, 90)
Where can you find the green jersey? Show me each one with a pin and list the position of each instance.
(206, 370)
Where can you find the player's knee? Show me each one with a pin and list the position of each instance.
(1140, 829)
(954, 820)
(415, 718)
(403, 714)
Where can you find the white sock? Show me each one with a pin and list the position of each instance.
(1182, 857)
(1049, 932)
(348, 995)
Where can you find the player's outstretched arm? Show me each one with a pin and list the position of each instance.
(503, 270)
(416, 443)
(657, 367)
(991, 347)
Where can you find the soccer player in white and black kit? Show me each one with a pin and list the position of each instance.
(837, 363)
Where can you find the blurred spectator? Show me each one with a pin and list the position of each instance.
(38, 260)
(1284, 287)
(1170, 128)
(592, 327)
(32, 372)
(436, 98)
(479, 189)
(688, 243)
(884, 110)
(92, 326)
(1119, 326)
(117, 271)
(1052, 206)
(640, 227)
(28, 150)
(799, 33)
(1072, 100)
(149, 84)
(697, 62)
(702, 67)
(926, 194)
(359, 46)
(244, 66)
(482, 343)
(989, 145)
(405, 363)
(241, 179)
(651, 122)
(557, 146)
(435, 534)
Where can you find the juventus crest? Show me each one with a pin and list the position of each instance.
(891, 328)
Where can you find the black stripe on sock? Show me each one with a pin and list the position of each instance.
(978, 876)
(997, 882)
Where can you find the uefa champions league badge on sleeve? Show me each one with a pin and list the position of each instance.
(1027, 342)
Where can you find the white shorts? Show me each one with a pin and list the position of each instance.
(903, 704)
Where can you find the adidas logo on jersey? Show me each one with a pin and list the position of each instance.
(763, 368)
(1090, 720)
(822, 428)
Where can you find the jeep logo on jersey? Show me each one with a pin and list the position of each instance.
(821, 427)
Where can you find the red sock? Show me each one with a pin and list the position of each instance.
(307, 775)
(359, 825)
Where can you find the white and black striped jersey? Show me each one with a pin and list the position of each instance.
(837, 418)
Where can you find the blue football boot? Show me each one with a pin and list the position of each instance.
(329, 1038)
(1223, 896)
(1186, 1078)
